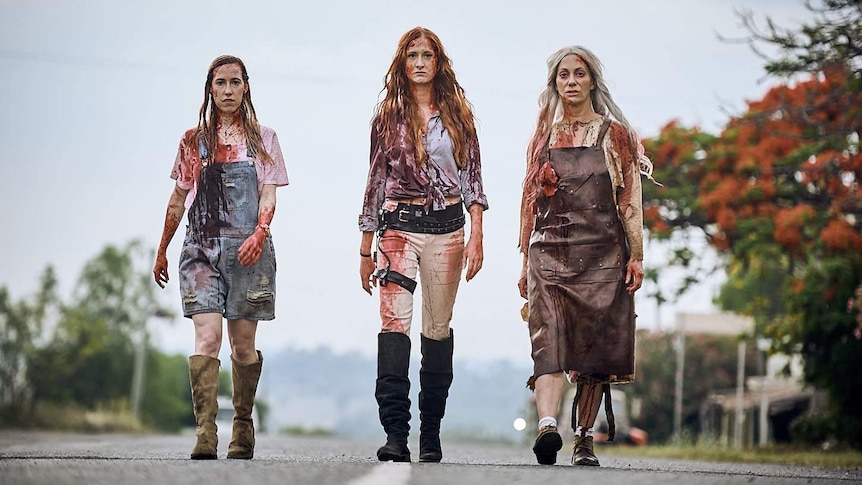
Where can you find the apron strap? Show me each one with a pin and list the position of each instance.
(603, 131)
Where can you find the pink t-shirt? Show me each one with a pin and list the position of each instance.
(187, 166)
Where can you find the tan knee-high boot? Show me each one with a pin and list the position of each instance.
(245, 379)
(203, 376)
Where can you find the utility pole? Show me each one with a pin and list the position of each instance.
(138, 371)
(711, 324)
(678, 378)
(140, 362)
(740, 389)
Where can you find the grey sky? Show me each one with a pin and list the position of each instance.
(96, 95)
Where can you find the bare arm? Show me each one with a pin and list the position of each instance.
(473, 253)
(366, 263)
(630, 202)
(173, 216)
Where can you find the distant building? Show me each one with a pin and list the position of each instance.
(770, 405)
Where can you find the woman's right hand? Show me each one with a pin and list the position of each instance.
(522, 283)
(160, 270)
(366, 273)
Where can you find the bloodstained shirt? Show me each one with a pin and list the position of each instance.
(625, 176)
(395, 175)
(187, 165)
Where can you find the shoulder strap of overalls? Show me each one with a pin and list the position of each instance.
(604, 129)
(202, 147)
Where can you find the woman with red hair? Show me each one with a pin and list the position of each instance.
(424, 170)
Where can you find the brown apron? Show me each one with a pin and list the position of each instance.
(581, 318)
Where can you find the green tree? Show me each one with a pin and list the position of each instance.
(22, 325)
(91, 351)
(777, 194)
(167, 400)
(87, 362)
(89, 358)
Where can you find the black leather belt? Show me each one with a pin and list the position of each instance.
(413, 218)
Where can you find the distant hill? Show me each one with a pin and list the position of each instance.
(319, 389)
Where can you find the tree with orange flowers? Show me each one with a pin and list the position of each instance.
(777, 193)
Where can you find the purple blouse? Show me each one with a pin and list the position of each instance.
(394, 174)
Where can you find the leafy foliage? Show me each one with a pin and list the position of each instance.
(777, 193)
(21, 326)
(80, 354)
(833, 38)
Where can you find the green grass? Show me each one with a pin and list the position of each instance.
(774, 454)
(112, 417)
(301, 431)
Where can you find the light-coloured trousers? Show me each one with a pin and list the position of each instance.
(437, 259)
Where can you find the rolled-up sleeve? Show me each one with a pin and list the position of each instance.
(630, 198)
(183, 170)
(471, 177)
(375, 184)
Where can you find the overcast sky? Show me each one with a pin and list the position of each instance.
(96, 95)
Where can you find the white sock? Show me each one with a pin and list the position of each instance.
(547, 421)
(589, 432)
(578, 431)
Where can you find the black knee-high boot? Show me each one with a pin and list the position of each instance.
(393, 394)
(435, 377)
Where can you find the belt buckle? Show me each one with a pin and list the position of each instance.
(401, 215)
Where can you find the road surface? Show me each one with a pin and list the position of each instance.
(52, 458)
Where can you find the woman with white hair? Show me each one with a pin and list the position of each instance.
(582, 243)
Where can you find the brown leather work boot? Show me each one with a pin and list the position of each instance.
(548, 443)
(582, 453)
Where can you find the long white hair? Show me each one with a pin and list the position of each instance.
(551, 108)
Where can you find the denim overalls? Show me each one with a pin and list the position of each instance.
(223, 214)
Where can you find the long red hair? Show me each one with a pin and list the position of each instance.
(398, 106)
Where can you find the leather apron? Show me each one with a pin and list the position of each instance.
(581, 317)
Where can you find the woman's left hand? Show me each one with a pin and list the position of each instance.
(473, 255)
(250, 250)
(634, 275)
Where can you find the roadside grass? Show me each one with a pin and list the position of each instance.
(838, 458)
(112, 417)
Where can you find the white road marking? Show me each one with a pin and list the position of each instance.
(388, 473)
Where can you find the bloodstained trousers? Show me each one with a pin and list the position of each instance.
(437, 259)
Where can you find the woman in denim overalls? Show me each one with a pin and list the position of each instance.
(226, 170)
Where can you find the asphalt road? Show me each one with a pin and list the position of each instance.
(50, 458)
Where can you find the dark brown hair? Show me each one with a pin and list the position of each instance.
(208, 123)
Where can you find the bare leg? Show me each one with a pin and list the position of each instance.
(549, 391)
(208, 334)
(242, 335)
